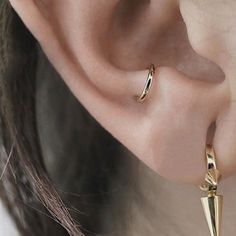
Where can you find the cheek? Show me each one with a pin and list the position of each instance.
(225, 139)
(211, 28)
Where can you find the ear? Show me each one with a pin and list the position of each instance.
(93, 46)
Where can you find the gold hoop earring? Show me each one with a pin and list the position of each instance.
(148, 84)
(213, 203)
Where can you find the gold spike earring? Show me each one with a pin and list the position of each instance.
(212, 203)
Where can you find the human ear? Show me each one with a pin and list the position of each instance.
(169, 130)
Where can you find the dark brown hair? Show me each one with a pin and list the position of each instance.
(26, 185)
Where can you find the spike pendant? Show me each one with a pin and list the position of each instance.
(212, 204)
(212, 207)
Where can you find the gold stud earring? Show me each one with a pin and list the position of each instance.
(213, 203)
(148, 84)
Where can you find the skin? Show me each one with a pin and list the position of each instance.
(101, 48)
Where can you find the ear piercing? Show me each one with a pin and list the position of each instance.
(213, 203)
(148, 84)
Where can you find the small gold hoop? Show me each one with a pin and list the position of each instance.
(148, 84)
(213, 175)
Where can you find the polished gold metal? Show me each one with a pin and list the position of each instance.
(148, 83)
(213, 203)
(213, 212)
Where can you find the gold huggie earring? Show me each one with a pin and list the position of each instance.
(148, 83)
(213, 203)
